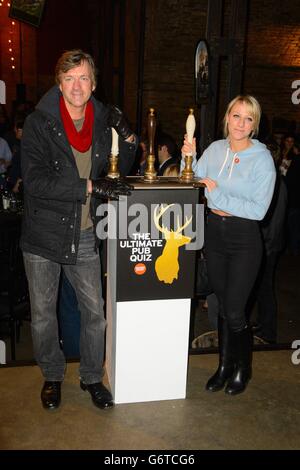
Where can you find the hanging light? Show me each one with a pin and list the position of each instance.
(11, 41)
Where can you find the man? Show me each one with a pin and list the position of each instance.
(166, 153)
(65, 145)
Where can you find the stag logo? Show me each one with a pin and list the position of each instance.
(166, 265)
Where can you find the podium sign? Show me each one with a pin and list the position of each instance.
(151, 265)
(154, 264)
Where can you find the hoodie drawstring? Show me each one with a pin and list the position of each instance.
(224, 163)
(232, 163)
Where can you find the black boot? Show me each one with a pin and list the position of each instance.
(226, 365)
(243, 353)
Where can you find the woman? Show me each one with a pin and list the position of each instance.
(239, 176)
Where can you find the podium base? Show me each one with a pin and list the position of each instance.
(147, 349)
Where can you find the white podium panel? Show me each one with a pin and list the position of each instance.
(147, 349)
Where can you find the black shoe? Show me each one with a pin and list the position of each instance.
(50, 395)
(101, 397)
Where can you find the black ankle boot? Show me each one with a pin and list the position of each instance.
(226, 365)
(243, 371)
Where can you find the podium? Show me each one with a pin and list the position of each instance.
(153, 236)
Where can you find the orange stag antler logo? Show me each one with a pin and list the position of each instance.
(166, 265)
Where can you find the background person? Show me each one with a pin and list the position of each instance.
(287, 153)
(5, 156)
(14, 173)
(172, 170)
(167, 153)
(272, 227)
(293, 187)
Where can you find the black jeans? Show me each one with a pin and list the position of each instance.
(233, 250)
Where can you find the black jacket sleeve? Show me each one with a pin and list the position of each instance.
(127, 153)
(273, 223)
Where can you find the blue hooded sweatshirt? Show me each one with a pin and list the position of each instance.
(245, 180)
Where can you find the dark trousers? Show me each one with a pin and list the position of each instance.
(266, 298)
(68, 318)
(84, 276)
(294, 230)
(233, 250)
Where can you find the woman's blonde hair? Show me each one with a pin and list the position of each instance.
(254, 110)
(172, 170)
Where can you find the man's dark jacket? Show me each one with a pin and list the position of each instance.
(166, 164)
(53, 190)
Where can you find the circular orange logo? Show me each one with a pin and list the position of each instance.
(140, 269)
(236, 160)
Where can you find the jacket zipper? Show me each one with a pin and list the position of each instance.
(73, 241)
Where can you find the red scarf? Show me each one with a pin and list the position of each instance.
(81, 140)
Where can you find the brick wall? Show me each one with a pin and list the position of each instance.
(132, 39)
(173, 28)
(272, 62)
(273, 56)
